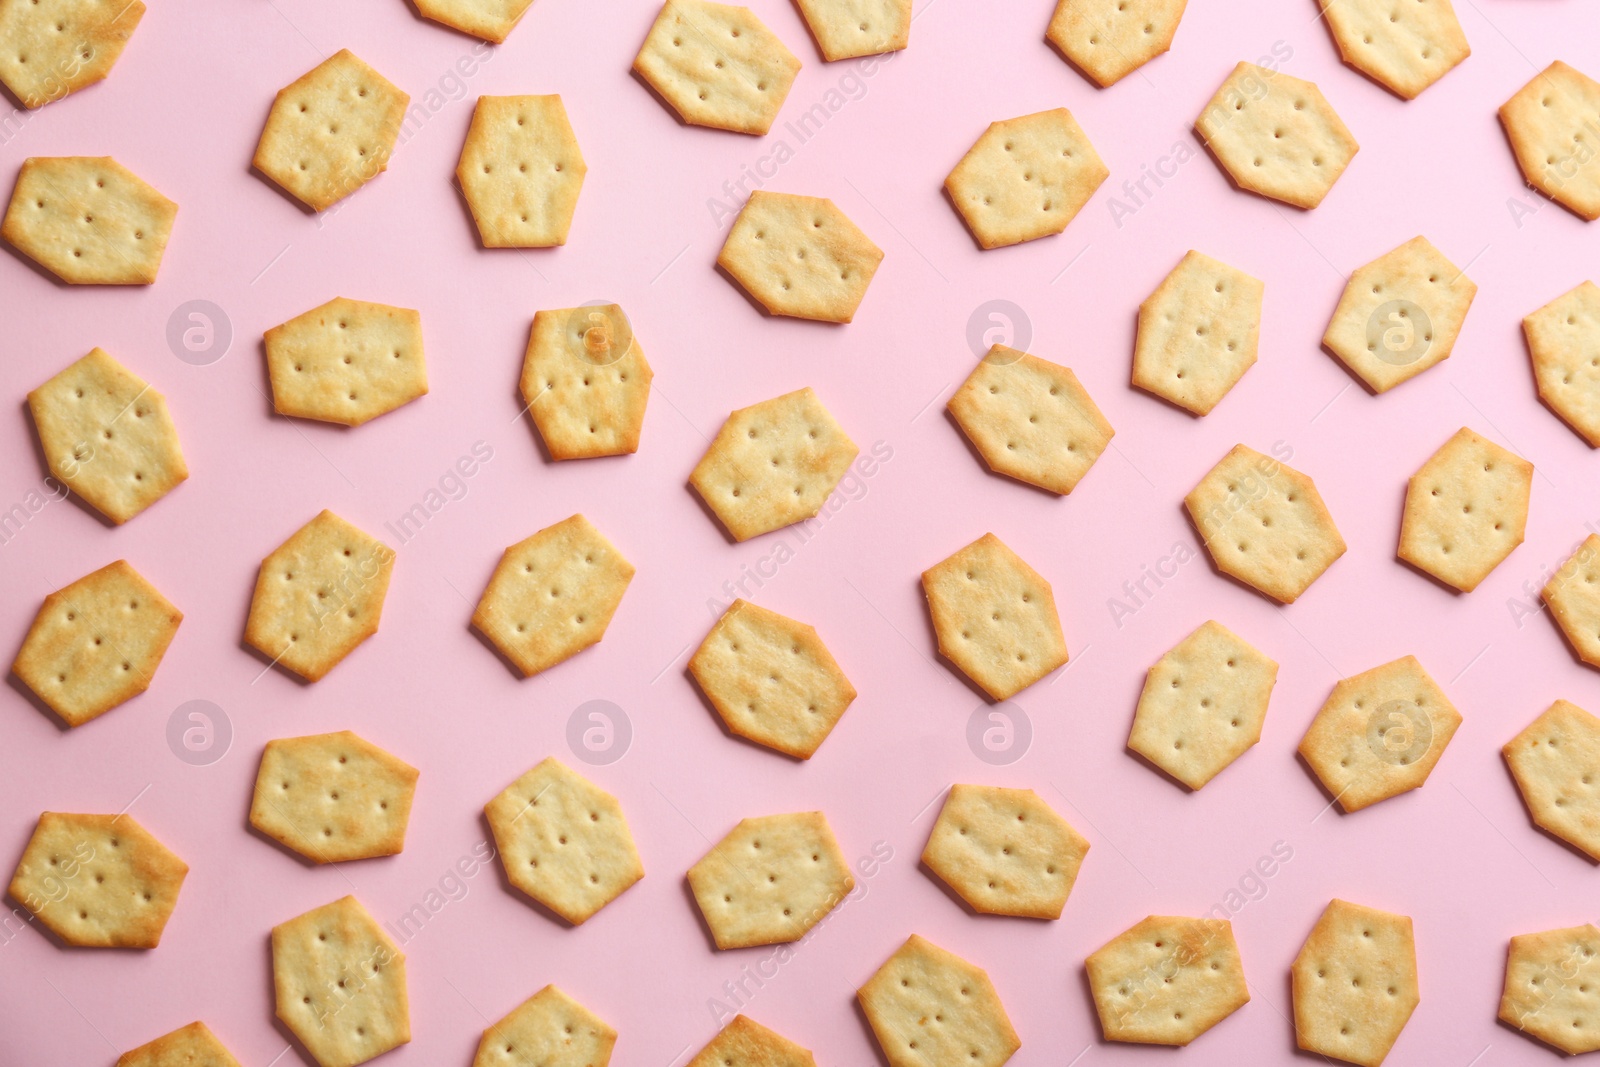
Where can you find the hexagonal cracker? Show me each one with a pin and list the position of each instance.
(1107, 41)
(549, 1029)
(1246, 493)
(1574, 601)
(1546, 122)
(72, 44)
(101, 881)
(1005, 851)
(491, 20)
(770, 879)
(849, 29)
(333, 797)
(1276, 136)
(1555, 762)
(1379, 733)
(1203, 704)
(346, 361)
(746, 1043)
(716, 65)
(188, 1046)
(552, 595)
(330, 131)
(994, 189)
(340, 984)
(88, 220)
(1167, 979)
(1404, 48)
(585, 382)
(1354, 983)
(769, 242)
(1562, 337)
(1005, 409)
(1197, 333)
(534, 821)
(521, 171)
(319, 595)
(1466, 510)
(1546, 993)
(927, 1005)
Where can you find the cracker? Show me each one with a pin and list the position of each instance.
(995, 617)
(331, 131)
(549, 1029)
(1563, 337)
(563, 841)
(1548, 994)
(521, 171)
(96, 643)
(333, 797)
(1025, 178)
(188, 1046)
(771, 679)
(1466, 509)
(492, 20)
(340, 984)
(1573, 597)
(716, 65)
(772, 464)
(1166, 980)
(100, 881)
(1110, 39)
(1379, 733)
(88, 220)
(552, 595)
(1354, 983)
(1197, 333)
(48, 50)
(1264, 524)
(1404, 48)
(1203, 704)
(1551, 123)
(800, 256)
(319, 595)
(929, 1007)
(848, 29)
(346, 361)
(770, 880)
(1030, 419)
(1399, 315)
(107, 435)
(1005, 851)
(1276, 136)
(1555, 761)
(746, 1043)
(585, 382)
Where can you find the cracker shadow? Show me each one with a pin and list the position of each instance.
(36, 443)
(304, 860)
(1233, 182)
(932, 637)
(45, 709)
(266, 179)
(727, 731)
(872, 1035)
(665, 105)
(983, 463)
(700, 918)
(38, 268)
(715, 520)
(505, 878)
(1528, 813)
(1203, 549)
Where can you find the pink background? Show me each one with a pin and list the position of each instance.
(183, 109)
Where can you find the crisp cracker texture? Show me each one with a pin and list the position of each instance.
(563, 841)
(1564, 343)
(188, 1046)
(340, 984)
(1399, 315)
(1203, 704)
(1025, 178)
(521, 171)
(848, 29)
(331, 131)
(333, 797)
(773, 464)
(1166, 980)
(1403, 47)
(100, 881)
(929, 1007)
(1573, 596)
(1030, 419)
(1466, 509)
(96, 643)
(1549, 987)
(585, 382)
(552, 595)
(1109, 39)
(319, 595)
(49, 48)
(1556, 763)
(770, 880)
(549, 1029)
(1005, 851)
(800, 256)
(108, 436)
(1197, 333)
(346, 361)
(717, 65)
(1354, 983)
(492, 20)
(1379, 733)
(88, 220)
(1264, 524)
(1553, 124)
(995, 617)
(771, 679)
(1276, 135)
(746, 1043)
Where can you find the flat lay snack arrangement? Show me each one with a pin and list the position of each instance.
(827, 532)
